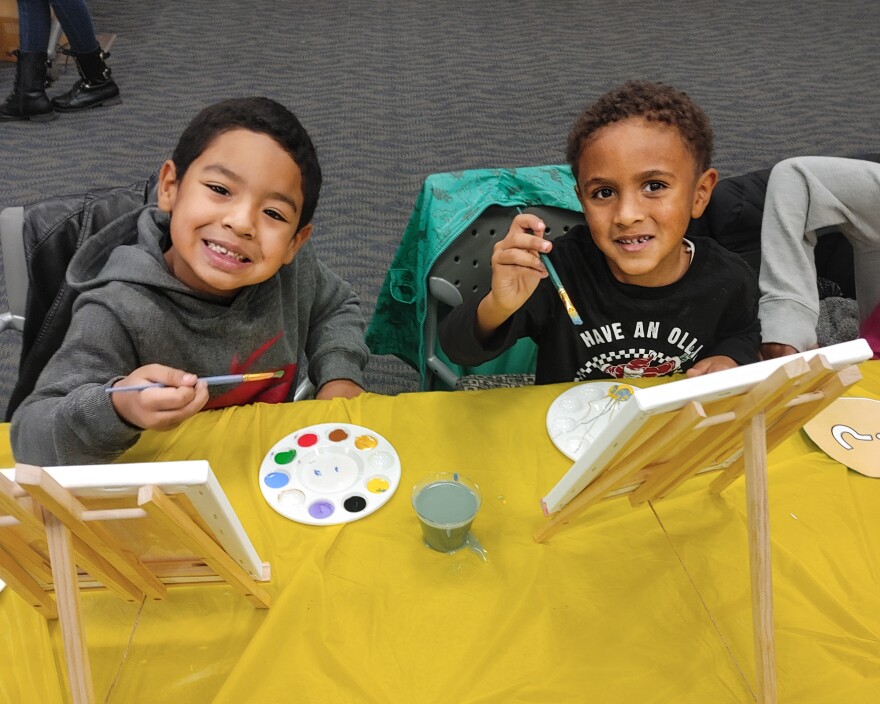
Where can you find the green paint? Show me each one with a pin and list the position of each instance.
(285, 457)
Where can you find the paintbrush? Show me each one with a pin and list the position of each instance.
(557, 284)
(209, 380)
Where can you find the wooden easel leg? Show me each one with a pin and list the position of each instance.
(27, 587)
(73, 635)
(758, 514)
(165, 512)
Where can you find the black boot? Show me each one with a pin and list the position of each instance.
(28, 99)
(95, 87)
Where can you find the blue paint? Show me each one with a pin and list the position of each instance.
(277, 480)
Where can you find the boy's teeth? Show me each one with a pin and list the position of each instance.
(222, 250)
(634, 240)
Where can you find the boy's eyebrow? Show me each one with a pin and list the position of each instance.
(232, 176)
(654, 173)
(643, 176)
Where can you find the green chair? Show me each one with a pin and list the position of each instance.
(444, 259)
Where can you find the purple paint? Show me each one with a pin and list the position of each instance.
(321, 509)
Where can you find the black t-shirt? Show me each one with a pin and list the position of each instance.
(628, 331)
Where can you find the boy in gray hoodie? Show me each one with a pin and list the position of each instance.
(218, 279)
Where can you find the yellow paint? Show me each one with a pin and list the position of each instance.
(377, 485)
(365, 442)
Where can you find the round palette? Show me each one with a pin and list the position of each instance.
(580, 415)
(329, 473)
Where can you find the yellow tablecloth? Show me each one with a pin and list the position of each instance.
(624, 605)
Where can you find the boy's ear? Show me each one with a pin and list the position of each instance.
(703, 191)
(168, 184)
(298, 240)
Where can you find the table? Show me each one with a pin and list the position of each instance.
(649, 604)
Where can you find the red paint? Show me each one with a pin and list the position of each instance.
(307, 440)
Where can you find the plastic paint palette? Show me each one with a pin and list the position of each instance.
(579, 415)
(329, 473)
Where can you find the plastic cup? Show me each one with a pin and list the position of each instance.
(446, 505)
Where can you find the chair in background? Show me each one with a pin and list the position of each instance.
(444, 258)
(39, 240)
(14, 268)
(463, 273)
(55, 33)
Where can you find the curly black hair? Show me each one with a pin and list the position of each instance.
(655, 102)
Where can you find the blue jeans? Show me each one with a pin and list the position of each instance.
(34, 24)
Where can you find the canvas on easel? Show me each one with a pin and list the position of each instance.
(726, 422)
(133, 529)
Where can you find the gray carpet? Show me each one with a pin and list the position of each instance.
(394, 91)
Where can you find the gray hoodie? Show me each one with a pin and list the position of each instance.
(131, 311)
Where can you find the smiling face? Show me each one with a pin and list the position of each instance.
(640, 185)
(234, 214)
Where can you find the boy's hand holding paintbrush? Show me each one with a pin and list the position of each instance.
(180, 396)
(165, 397)
(518, 265)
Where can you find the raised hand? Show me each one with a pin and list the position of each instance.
(516, 271)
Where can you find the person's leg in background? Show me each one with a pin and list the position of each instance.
(806, 194)
(28, 100)
(95, 87)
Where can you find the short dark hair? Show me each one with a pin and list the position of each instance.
(655, 102)
(262, 115)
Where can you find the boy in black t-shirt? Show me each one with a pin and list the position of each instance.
(652, 302)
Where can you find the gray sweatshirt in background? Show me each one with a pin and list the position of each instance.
(804, 195)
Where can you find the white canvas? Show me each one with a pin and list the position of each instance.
(194, 479)
(644, 403)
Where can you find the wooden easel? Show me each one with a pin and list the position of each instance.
(47, 531)
(674, 446)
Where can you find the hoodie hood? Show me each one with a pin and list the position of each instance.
(130, 250)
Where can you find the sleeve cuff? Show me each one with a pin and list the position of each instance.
(341, 365)
(788, 323)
